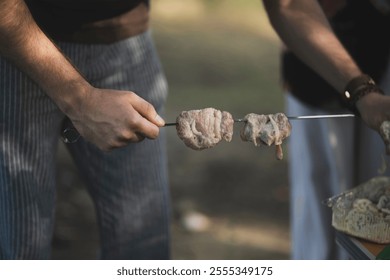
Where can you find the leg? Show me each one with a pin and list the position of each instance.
(29, 124)
(319, 167)
(129, 186)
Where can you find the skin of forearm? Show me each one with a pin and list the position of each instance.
(24, 44)
(303, 27)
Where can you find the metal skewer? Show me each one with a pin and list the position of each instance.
(70, 134)
(321, 116)
(296, 118)
(311, 117)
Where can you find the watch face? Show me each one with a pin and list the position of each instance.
(70, 135)
(382, 5)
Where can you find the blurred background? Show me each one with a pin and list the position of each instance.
(229, 202)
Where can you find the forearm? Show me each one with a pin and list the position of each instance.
(304, 29)
(23, 43)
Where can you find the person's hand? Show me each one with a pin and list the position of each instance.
(112, 118)
(374, 109)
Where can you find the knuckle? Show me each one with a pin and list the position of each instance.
(149, 108)
(130, 137)
(155, 134)
(135, 122)
(125, 135)
(113, 144)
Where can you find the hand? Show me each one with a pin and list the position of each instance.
(374, 109)
(112, 118)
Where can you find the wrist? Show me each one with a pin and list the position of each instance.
(356, 89)
(71, 97)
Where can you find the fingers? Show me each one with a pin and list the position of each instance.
(141, 128)
(119, 142)
(148, 122)
(147, 110)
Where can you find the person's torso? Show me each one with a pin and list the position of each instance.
(363, 29)
(90, 21)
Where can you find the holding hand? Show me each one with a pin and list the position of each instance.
(113, 118)
(374, 109)
(367, 100)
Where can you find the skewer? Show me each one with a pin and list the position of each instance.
(295, 118)
(311, 117)
(170, 124)
(321, 116)
(70, 134)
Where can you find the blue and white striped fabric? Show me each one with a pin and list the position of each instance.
(129, 186)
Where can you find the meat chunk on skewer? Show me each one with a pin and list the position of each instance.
(266, 129)
(205, 128)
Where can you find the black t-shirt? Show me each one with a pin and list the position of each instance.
(364, 31)
(60, 19)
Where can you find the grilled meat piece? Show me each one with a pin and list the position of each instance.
(266, 129)
(205, 128)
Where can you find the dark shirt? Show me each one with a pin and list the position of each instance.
(363, 30)
(84, 20)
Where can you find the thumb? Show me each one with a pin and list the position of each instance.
(146, 110)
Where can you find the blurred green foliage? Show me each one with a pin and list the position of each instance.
(217, 61)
